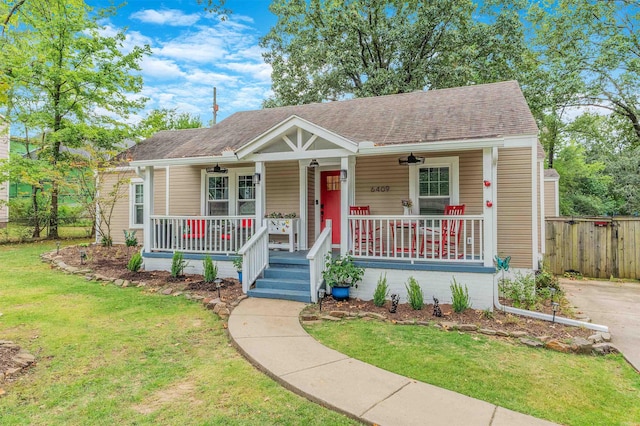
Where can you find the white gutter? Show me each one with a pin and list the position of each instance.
(541, 316)
(190, 161)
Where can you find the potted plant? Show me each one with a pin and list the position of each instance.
(406, 206)
(341, 273)
(237, 263)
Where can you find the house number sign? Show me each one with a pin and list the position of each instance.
(380, 188)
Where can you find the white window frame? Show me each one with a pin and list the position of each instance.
(454, 179)
(132, 203)
(233, 175)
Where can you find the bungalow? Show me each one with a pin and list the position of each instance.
(428, 184)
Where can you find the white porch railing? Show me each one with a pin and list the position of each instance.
(457, 238)
(255, 257)
(316, 257)
(201, 234)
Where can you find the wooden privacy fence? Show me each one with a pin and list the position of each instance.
(594, 247)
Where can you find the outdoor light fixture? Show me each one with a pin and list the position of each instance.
(343, 175)
(314, 163)
(256, 177)
(57, 247)
(321, 293)
(552, 292)
(554, 308)
(83, 256)
(218, 283)
(217, 169)
(410, 160)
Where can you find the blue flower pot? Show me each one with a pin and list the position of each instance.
(240, 276)
(340, 293)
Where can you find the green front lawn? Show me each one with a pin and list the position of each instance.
(112, 356)
(564, 388)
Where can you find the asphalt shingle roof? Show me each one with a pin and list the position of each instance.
(471, 112)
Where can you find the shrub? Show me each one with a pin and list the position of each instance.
(135, 263)
(106, 241)
(521, 290)
(342, 271)
(459, 296)
(210, 270)
(237, 262)
(178, 264)
(382, 289)
(130, 239)
(414, 294)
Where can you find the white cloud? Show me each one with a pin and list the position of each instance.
(163, 69)
(172, 17)
(258, 71)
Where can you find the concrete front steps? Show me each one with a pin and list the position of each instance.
(284, 279)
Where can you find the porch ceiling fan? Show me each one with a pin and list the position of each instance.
(217, 169)
(411, 159)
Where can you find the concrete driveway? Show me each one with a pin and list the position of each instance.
(616, 305)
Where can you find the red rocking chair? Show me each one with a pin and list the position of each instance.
(444, 243)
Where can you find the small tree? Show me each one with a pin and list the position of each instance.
(135, 263)
(178, 264)
(210, 270)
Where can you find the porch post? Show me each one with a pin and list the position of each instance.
(147, 207)
(304, 215)
(260, 194)
(345, 197)
(489, 194)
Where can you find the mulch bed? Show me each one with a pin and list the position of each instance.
(497, 321)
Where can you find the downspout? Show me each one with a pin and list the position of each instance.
(541, 316)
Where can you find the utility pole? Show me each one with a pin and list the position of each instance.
(215, 106)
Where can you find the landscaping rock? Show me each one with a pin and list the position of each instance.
(119, 282)
(531, 343)
(405, 322)
(581, 346)
(468, 327)
(61, 264)
(167, 291)
(23, 359)
(330, 318)
(502, 333)
(176, 294)
(606, 337)
(210, 302)
(241, 298)
(596, 338)
(449, 325)
(219, 307)
(126, 283)
(309, 317)
(604, 349)
(311, 322)
(487, 331)
(72, 269)
(338, 314)
(517, 334)
(224, 312)
(555, 345)
(375, 315)
(12, 371)
(424, 323)
(141, 284)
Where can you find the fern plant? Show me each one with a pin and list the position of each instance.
(210, 270)
(178, 264)
(135, 263)
(414, 294)
(459, 296)
(382, 289)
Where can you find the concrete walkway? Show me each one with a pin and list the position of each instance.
(615, 304)
(269, 334)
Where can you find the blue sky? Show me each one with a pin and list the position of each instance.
(194, 50)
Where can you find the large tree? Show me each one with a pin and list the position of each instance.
(325, 49)
(167, 119)
(600, 42)
(69, 81)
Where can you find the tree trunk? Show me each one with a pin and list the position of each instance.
(53, 218)
(36, 213)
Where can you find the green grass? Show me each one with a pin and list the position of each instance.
(14, 232)
(564, 388)
(112, 356)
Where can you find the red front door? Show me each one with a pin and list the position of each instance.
(330, 202)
